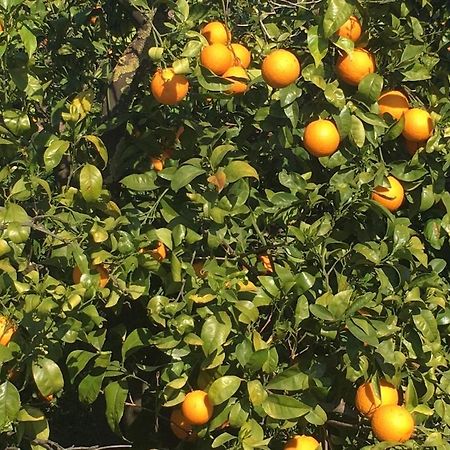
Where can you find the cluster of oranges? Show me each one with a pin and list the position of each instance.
(389, 420)
(279, 69)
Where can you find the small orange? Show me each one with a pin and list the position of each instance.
(158, 162)
(104, 275)
(242, 56)
(266, 262)
(394, 103)
(181, 427)
(418, 125)
(354, 67)
(169, 88)
(302, 443)
(7, 330)
(392, 423)
(321, 138)
(216, 33)
(238, 87)
(197, 408)
(412, 147)
(280, 68)
(217, 58)
(390, 197)
(159, 252)
(351, 29)
(46, 398)
(367, 402)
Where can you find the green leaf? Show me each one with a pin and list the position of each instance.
(256, 392)
(89, 387)
(115, 397)
(47, 375)
(292, 379)
(283, 407)
(54, 153)
(215, 331)
(9, 404)
(317, 45)
(184, 175)
(426, 323)
(370, 87)
(192, 49)
(336, 15)
(99, 145)
(239, 169)
(141, 182)
(223, 388)
(91, 182)
(362, 330)
(28, 39)
(357, 132)
(335, 96)
(17, 122)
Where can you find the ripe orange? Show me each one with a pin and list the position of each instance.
(391, 197)
(351, 29)
(266, 262)
(280, 68)
(216, 33)
(321, 138)
(367, 402)
(169, 88)
(418, 125)
(394, 103)
(181, 427)
(241, 54)
(197, 408)
(217, 58)
(7, 329)
(301, 443)
(354, 67)
(392, 423)
(104, 275)
(159, 252)
(238, 87)
(158, 162)
(412, 147)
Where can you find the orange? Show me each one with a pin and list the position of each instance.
(158, 162)
(394, 103)
(301, 443)
(217, 58)
(104, 275)
(266, 262)
(7, 329)
(418, 125)
(238, 87)
(216, 33)
(412, 147)
(351, 29)
(169, 88)
(241, 54)
(367, 402)
(280, 68)
(159, 252)
(181, 427)
(390, 197)
(354, 67)
(392, 423)
(46, 398)
(321, 138)
(197, 408)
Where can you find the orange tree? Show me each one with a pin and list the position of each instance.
(222, 261)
